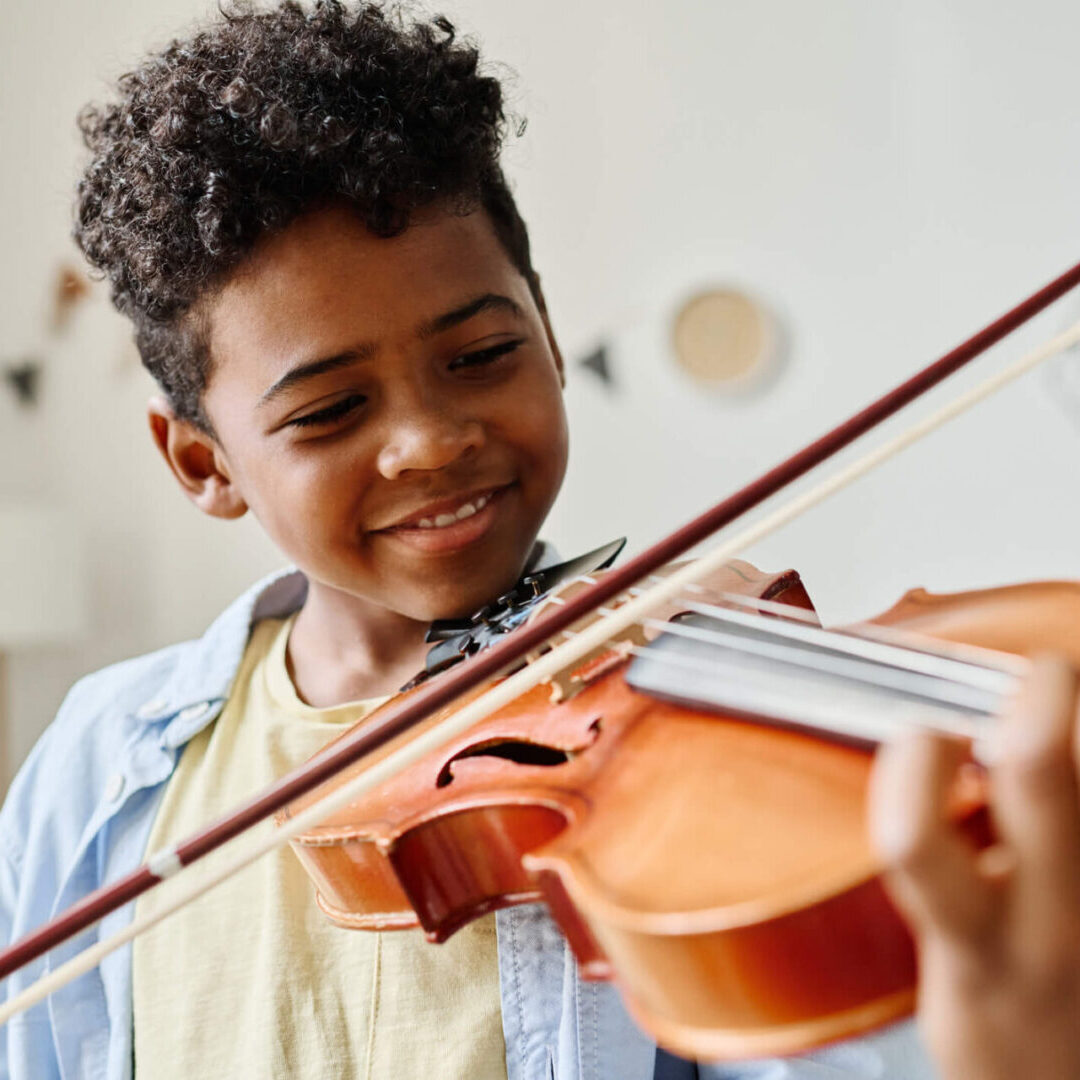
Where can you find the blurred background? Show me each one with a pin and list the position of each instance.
(871, 183)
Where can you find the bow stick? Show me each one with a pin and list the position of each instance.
(443, 690)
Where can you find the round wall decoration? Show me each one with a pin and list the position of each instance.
(723, 339)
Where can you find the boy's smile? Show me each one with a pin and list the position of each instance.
(448, 524)
(389, 408)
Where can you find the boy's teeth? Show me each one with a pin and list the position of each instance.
(462, 512)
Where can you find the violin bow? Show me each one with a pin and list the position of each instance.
(447, 687)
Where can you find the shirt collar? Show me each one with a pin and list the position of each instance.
(207, 667)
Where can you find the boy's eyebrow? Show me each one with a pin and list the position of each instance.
(487, 302)
(316, 367)
(449, 319)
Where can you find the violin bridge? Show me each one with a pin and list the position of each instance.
(568, 682)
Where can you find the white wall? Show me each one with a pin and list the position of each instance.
(885, 176)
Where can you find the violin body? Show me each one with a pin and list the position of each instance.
(354, 856)
(717, 870)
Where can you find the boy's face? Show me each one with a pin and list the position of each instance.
(390, 409)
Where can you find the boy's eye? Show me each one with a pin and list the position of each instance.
(484, 356)
(331, 413)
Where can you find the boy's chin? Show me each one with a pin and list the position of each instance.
(457, 600)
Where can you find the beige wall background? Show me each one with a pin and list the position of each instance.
(885, 177)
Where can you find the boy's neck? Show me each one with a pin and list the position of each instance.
(343, 649)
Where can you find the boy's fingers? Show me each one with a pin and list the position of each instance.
(1034, 786)
(930, 870)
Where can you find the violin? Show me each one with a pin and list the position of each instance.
(718, 871)
(710, 967)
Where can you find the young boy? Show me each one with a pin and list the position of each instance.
(304, 216)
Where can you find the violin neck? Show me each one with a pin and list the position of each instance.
(849, 687)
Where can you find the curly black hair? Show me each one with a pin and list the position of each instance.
(236, 131)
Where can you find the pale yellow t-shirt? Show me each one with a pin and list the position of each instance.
(252, 980)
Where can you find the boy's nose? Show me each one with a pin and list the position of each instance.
(428, 441)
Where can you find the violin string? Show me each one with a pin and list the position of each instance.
(910, 640)
(768, 607)
(896, 653)
(896, 660)
(948, 688)
(892, 655)
(871, 725)
(887, 658)
(899, 648)
(947, 681)
(562, 656)
(884, 666)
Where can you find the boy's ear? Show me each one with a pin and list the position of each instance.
(196, 461)
(541, 303)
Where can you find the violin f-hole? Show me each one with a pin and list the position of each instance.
(519, 751)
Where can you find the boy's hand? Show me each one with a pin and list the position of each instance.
(998, 931)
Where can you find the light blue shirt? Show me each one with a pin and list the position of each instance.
(79, 814)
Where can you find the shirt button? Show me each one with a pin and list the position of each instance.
(152, 709)
(115, 787)
(193, 712)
